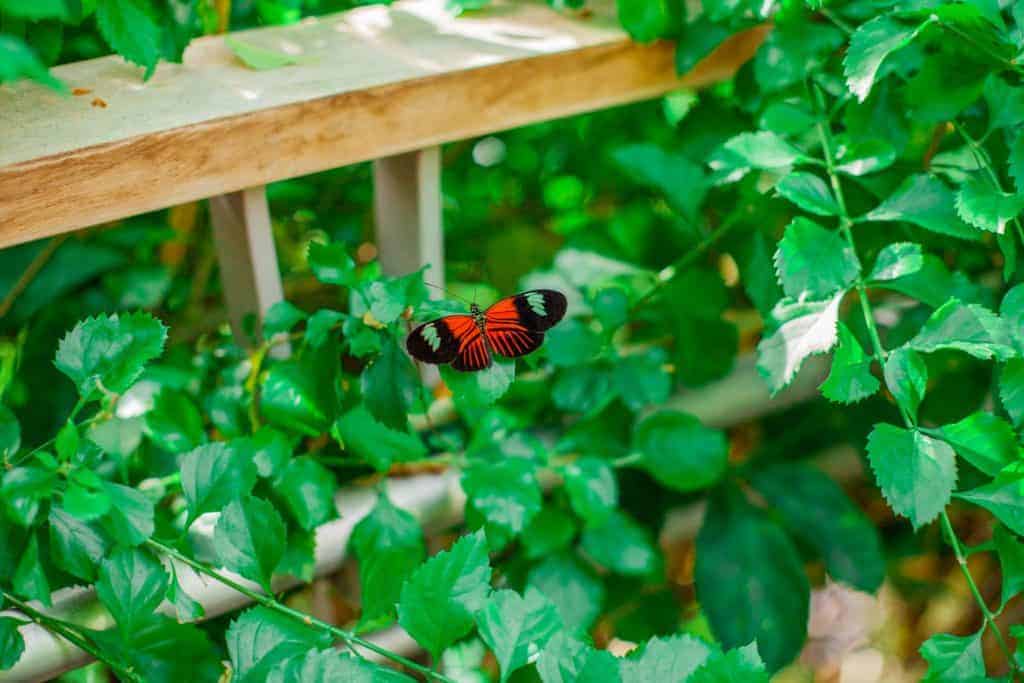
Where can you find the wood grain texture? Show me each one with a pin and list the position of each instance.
(375, 82)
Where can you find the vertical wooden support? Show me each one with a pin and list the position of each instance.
(248, 262)
(407, 202)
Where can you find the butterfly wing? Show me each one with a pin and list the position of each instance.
(515, 325)
(452, 339)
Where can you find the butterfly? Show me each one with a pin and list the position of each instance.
(512, 327)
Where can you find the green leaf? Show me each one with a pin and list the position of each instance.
(117, 436)
(163, 651)
(572, 343)
(320, 324)
(986, 207)
(269, 449)
(386, 298)
(299, 558)
(85, 504)
(564, 659)
(331, 264)
(984, 440)
(906, 376)
(506, 493)
(75, 546)
(932, 285)
(306, 488)
(12, 645)
(850, 379)
(970, 328)
(549, 531)
(897, 260)
(331, 666)
(250, 539)
(953, 659)
(1011, 562)
(36, 11)
(480, 389)
(10, 434)
(185, 606)
(623, 546)
(640, 379)
(282, 316)
(388, 543)
(29, 579)
(672, 658)
(805, 328)
(517, 627)
(924, 200)
(671, 173)
(740, 665)
(111, 350)
(66, 443)
(815, 510)
(295, 398)
(584, 388)
(809, 192)
(260, 58)
(390, 383)
(174, 424)
(131, 586)
(592, 488)
(679, 451)
(870, 44)
(130, 28)
(576, 591)
(1002, 497)
(763, 150)
(915, 472)
(1011, 389)
(377, 444)
(864, 156)
(17, 61)
(23, 489)
(439, 599)
(763, 594)
(647, 20)
(261, 639)
(214, 475)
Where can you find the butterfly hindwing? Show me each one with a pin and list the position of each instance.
(537, 310)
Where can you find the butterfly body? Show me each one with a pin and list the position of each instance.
(512, 327)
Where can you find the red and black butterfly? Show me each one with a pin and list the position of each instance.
(511, 328)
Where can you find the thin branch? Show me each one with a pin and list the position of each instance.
(30, 273)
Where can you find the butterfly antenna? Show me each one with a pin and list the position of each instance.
(449, 293)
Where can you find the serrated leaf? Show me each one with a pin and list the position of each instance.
(970, 328)
(672, 173)
(763, 150)
(331, 666)
(986, 207)
(870, 44)
(36, 11)
(12, 645)
(572, 343)
(1011, 390)
(1003, 497)
(850, 379)
(550, 530)
(864, 156)
(672, 658)
(640, 379)
(517, 627)
(906, 376)
(306, 489)
(268, 448)
(1011, 562)
(295, 397)
(388, 544)
(213, 475)
(18, 60)
(765, 595)
(75, 546)
(817, 511)
(437, 602)
(897, 260)
(30, 579)
(592, 487)
(679, 451)
(320, 324)
(185, 606)
(331, 264)
(953, 659)
(23, 489)
(174, 423)
(10, 434)
(299, 559)
(130, 27)
(739, 665)
(389, 385)
(282, 317)
(805, 328)
(623, 546)
(984, 440)
(576, 591)
(483, 388)
(85, 504)
(131, 584)
(379, 445)
(916, 473)
(261, 639)
(110, 349)
(250, 539)
(809, 192)
(505, 493)
(925, 201)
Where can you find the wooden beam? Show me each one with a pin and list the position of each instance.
(374, 82)
(407, 204)
(248, 261)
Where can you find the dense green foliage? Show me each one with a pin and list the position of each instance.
(857, 187)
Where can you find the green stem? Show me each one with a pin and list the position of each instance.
(348, 637)
(879, 353)
(1007, 63)
(69, 633)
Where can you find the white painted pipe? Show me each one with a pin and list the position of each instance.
(435, 499)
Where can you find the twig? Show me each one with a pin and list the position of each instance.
(40, 260)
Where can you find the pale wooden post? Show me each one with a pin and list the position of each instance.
(248, 262)
(407, 202)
